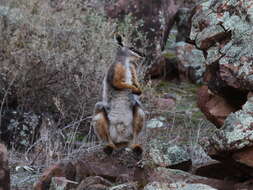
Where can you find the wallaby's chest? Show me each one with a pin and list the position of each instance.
(128, 73)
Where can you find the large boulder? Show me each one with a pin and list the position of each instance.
(163, 154)
(236, 133)
(223, 31)
(91, 171)
(232, 144)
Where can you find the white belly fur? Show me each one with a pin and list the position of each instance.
(121, 117)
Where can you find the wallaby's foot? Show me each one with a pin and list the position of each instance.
(108, 149)
(137, 149)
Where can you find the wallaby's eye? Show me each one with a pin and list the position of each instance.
(132, 49)
(119, 40)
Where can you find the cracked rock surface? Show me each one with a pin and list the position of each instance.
(223, 30)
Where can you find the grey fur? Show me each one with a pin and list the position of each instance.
(119, 103)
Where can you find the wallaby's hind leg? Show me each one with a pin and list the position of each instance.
(101, 127)
(138, 124)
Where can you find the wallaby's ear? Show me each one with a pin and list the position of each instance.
(119, 39)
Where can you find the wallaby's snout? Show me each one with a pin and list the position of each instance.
(134, 56)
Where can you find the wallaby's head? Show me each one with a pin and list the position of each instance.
(127, 52)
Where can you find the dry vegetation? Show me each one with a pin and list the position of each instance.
(55, 61)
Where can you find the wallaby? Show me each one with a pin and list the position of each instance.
(119, 118)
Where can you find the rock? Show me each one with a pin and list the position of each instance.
(97, 171)
(185, 186)
(198, 155)
(121, 166)
(218, 170)
(82, 186)
(157, 18)
(165, 66)
(126, 186)
(158, 67)
(166, 155)
(171, 69)
(94, 183)
(236, 133)
(225, 36)
(59, 183)
(232, 144)
(177, 186)
(244, 156)
(66, 170)
(215, 108)
(191, 64)
(245, 185)
(156, 186)
(182, 18)
(156, 123)
(4, 169)
(205, 38)
(171, 176)
(20, 130)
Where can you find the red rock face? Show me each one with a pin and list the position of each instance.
(4, 169)
(215, 108)
(245, 156)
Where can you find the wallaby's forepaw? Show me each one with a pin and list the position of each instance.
(108, 149)
(137, 149)
(137, 91)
